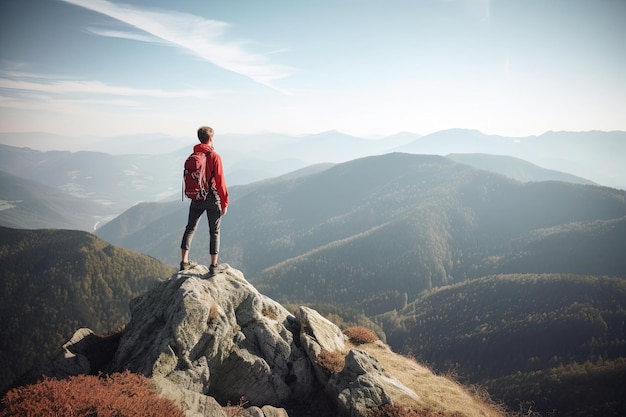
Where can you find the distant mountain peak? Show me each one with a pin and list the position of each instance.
(329, 133)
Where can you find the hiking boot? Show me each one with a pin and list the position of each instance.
(212, 270)
(187, 265)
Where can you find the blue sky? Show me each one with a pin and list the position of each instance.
(366, 68)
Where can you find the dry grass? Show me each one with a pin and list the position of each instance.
(417, 391)
(213, 313)
(269, 312)
(390, 410)
(235, 410)
(436, 395)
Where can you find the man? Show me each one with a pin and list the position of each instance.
(215, 204)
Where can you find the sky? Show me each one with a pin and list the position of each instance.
(363, 67)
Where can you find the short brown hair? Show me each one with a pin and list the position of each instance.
(205, 133)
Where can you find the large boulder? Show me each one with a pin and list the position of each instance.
(85, 353)
(360, 387)
(217, 336)
(319, 336)
(363, 386)
(353, 379)
(194, 403)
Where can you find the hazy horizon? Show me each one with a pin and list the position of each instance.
(75, 143)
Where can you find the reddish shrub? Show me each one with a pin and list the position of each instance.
(124, 394)
(359, 335)
(332, 361)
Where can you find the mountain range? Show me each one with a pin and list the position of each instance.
(438, 220)
(593, 155)
(46, 203)
(121, 172)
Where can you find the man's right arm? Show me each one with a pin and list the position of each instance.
(220, 182)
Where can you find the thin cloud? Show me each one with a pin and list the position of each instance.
(92, 87)
(124, 35)
(202, 37)
(44, 103)
(31, 91)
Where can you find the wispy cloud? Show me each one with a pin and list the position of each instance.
(39, 102)
(45, 84)
(31, 91)
(202, 37)
(125, 35)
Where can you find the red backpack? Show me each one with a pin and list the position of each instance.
(195, 184)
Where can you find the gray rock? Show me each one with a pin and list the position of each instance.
(265, 411)
(317, 334)
(73, 360)
(364, 385)
(216, 336)
(360, 386)
(193, 403)
(251, 412)
(84, 353)
(269, 411)
(325, 334)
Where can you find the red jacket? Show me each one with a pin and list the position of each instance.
(214, 167)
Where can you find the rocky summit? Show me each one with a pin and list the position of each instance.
(211, 341)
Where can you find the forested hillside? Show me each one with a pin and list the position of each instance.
(419, 222)
(56, 281)
(515, 168)
(382, 216)
(555, 341)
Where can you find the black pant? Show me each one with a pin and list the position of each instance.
(196, 208)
